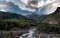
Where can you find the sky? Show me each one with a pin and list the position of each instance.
(22, 6)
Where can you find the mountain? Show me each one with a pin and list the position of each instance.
(53, 18)
(36, 17)
(32, 16)
(8, 15)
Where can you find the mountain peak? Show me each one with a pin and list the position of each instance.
(58, 9)
(53, 18)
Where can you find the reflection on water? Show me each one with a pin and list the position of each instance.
(32, 33)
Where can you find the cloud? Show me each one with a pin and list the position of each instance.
(11, 7)
(49, 8)
(58, 2)
(40, 3)
(44, 6)
(8, 6)
(21, 5)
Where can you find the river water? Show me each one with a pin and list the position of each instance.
(30, 34)
(27, 33)
(33, 33)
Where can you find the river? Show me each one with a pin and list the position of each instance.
(33, 33)
(27, 33)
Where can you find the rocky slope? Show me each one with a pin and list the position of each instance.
(53, 18)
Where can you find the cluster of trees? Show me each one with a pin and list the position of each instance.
(15, 25)
(49, 28)
(25, 24)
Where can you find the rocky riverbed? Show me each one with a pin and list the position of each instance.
(27, 33)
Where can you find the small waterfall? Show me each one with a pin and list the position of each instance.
(30, 34)
(34, 33)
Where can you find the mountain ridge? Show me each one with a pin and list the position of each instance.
(53, 18)
(8, 15)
